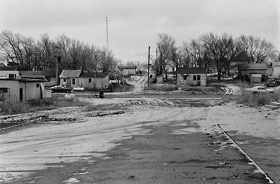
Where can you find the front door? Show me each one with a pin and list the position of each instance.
(21, 94)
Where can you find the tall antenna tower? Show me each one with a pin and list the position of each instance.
(107, 35)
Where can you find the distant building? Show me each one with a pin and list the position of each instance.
(254, 72)
(253, 68)
(191, 76)
(276, 70)
(128, 70)
(77, 79)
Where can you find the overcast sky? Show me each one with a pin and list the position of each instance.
(135, 24)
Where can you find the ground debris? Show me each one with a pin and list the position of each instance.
(105, 113)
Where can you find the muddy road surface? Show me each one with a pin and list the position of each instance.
(154, 140)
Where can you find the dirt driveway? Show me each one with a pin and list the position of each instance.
(156, 140)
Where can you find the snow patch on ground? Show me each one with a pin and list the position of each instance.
(71, 181)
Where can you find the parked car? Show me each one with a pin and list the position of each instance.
(259, 89)
(272, 83)
(60, 89)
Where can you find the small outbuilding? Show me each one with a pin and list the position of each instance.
(128, 70)
(21, 90)
(191, 76)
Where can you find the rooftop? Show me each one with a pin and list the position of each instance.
(70, 74)
(187, 70)
(127, 67)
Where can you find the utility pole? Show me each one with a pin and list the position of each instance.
(149, 65)
(107, 34)
(57, 53)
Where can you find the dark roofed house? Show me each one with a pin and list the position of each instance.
(78, 79)
(254, 71)
(253, 68)
(191, 76)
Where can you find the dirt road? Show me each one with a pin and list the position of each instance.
(154, 141)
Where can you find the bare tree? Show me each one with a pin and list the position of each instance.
(221, 50)
(166, 52)
(258, 50)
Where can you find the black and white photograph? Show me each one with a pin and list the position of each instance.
(139, 91)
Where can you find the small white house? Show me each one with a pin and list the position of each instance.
(77, 79)
(127, 70)
(191, 76)
(21, 90)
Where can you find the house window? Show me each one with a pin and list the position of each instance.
(89, 80)
(37, 85)
(12, 76)
(196, 77)
(64, 80)
(73, 81)
(3, 90)
(185, 77)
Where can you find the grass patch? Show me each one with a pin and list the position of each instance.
(251, 99)
(38, 105)
(13, 108)
(161, 87)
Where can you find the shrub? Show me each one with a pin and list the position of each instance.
(251, 99)
(38, 104)
(41, 102)
(13, 108)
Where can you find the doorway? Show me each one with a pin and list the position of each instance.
(21, 94)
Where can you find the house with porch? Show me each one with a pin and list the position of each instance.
(78, 79)
(191, 77)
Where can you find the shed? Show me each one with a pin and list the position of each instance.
(191, 76)
(128, 70)
(21, 90)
